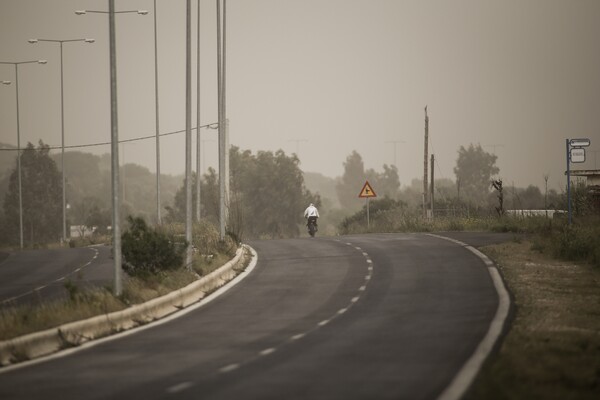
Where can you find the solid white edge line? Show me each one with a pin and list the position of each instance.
(466, 375)
(116, 336)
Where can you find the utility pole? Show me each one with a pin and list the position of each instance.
(432, 184)
(198, 139)
(223, 150)
(188, 135)
(298, 141)
(425, 186)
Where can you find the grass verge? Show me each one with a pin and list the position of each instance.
(81, 302)
(552, 350)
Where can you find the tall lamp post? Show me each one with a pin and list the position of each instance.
(16, 64)
(62, 122)
(157, 127)
(114, 138)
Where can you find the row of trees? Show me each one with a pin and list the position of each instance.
(268, 192)
(267, 195)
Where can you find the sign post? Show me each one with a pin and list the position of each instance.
(575, 154)
(367, 192)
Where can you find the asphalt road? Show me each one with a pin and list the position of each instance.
(357, 317)
(33, 276)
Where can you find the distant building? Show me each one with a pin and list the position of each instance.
(592, 183)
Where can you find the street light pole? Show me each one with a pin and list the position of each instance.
(16, 64)
(62, 123)
(188, 135)
(158, 216)
(114, 139)
(198, 139)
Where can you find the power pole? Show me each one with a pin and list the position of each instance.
(188, 135)
(432, 184)
(425, 186)
(198, 139)
(223, 150)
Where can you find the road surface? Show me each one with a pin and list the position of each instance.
(382, 316)
(33, 276)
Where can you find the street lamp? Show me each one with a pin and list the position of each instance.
(62, 122)
(114, 138)
(16, 64)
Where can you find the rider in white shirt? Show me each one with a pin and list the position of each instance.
(311, 213)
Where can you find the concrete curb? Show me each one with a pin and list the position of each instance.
(73, 334)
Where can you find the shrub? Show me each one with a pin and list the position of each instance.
(148, 251)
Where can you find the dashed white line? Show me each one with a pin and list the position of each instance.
(355, 299)
(268, 351)
(180, 387)
(343, 310)
(362, 288)
(368, 277)
(369, 261)
(323, 323)
(229, 368)
(298, 336)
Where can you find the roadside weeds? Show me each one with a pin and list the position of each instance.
(552, 349)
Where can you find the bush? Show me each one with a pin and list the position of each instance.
(148, 251)
(577, 243)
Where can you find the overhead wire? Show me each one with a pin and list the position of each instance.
(77, 146)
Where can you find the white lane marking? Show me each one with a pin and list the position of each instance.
(365, 254)
(180, 387)
(39, 288)
(357, 248)
(229, 368)
(368, 277)
(298, 336)
(117, 336)
(349, 244)
(362, 288)
(355, 299)
(268, 351)
(463, 379)
(323, 323)
(343, 310)
(369, 261)
(370, 268)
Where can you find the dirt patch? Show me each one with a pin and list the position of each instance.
(552, 350)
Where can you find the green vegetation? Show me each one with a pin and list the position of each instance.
(267, 196)
(146, 277)
(148, 251)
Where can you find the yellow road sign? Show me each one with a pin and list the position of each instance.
(367, 191)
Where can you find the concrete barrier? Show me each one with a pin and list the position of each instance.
(73, 334)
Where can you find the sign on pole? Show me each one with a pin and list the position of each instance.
(367, 192)
(577, 155)
(579, 142)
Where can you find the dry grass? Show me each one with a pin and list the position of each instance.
(552, 350)
(85, 303)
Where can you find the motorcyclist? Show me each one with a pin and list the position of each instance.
(311, 213)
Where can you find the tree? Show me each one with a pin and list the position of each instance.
(352, 181)
(267, 195)
(41, 198)
(474, 170)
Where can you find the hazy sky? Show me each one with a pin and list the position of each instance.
(322, 77)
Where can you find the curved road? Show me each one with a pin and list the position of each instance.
(32, 276)
(372, 316)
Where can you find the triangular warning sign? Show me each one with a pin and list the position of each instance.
(367, 191)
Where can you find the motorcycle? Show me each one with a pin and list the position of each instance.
(312, 226)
